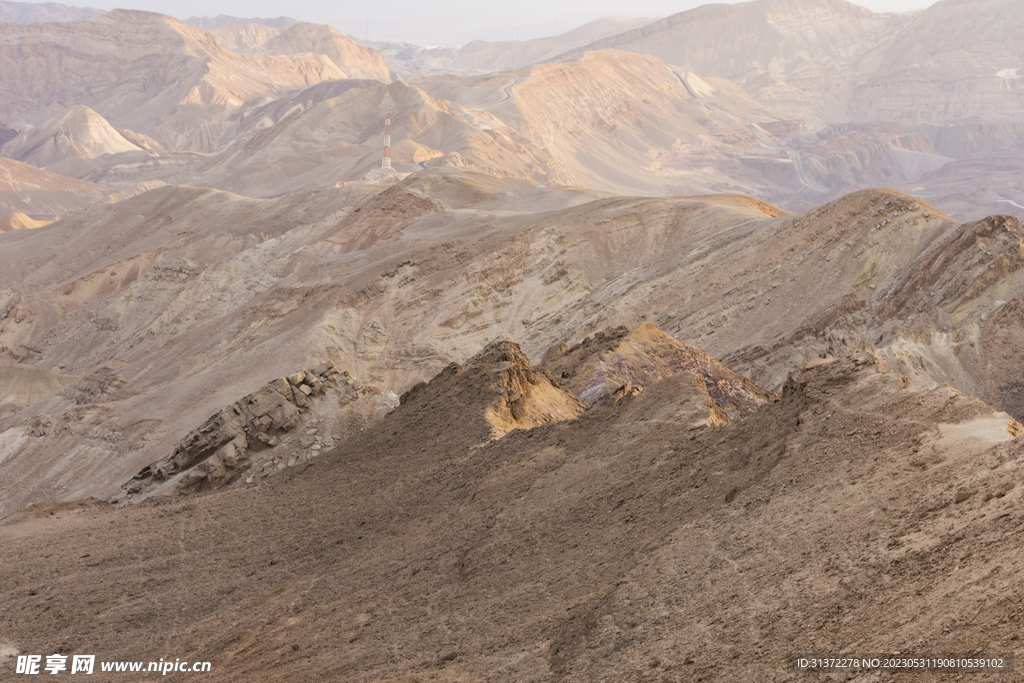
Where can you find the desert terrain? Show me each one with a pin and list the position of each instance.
(670, 349)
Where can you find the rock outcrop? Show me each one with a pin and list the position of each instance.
(290, 420)
(619, 361)
(499, 391)
(525, 397)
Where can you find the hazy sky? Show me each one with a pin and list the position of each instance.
(443, 21)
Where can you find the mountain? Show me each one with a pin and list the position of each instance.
(42, 12)
(222, 21)
(840, 75)
(143, 72)
(808, 46)
(563, 398)
(960, 58)
(354, 60)
(27, 190)
(68, 143)
(393, 282)
(648, 536)
(610, 121)
(481, 56)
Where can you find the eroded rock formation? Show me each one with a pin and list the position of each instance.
(289, 420)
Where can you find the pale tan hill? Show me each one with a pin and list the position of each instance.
(142, 72)
(18, 221)
(41, 12)
(793, 54)
(480, 56)
(962, 59)
(828, 65)
(41, 194)
(640, 541)
(621, 122)
(608, 121)
(333, 133)
(79, 143)
(69, 143)
(158, 301)
(352, 59)
(243, 37)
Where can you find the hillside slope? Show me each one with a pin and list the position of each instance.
(639, 539)
(394, 283)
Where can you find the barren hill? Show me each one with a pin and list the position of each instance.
(639, 539)
(840, 75)
(144, 72)
(811, 45)
(70, 143)
(608, 121)
(961, 59)
(394, 282)
(354, 60)
(42, 12)
(40, 194)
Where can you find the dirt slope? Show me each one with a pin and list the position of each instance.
(633, 541)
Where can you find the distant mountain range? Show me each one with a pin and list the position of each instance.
(38, 13)
(222, 20)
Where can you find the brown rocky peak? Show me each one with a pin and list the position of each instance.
(499, 385)
(604, 364)
(526, 397)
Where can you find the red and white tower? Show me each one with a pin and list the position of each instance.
(385, 165)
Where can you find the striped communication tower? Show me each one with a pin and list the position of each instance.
(385, 164)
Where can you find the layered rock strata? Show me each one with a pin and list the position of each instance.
(289, 420)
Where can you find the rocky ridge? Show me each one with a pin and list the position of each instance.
(619, 359)
(287, 422)
(397, 283)
(640, 537)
